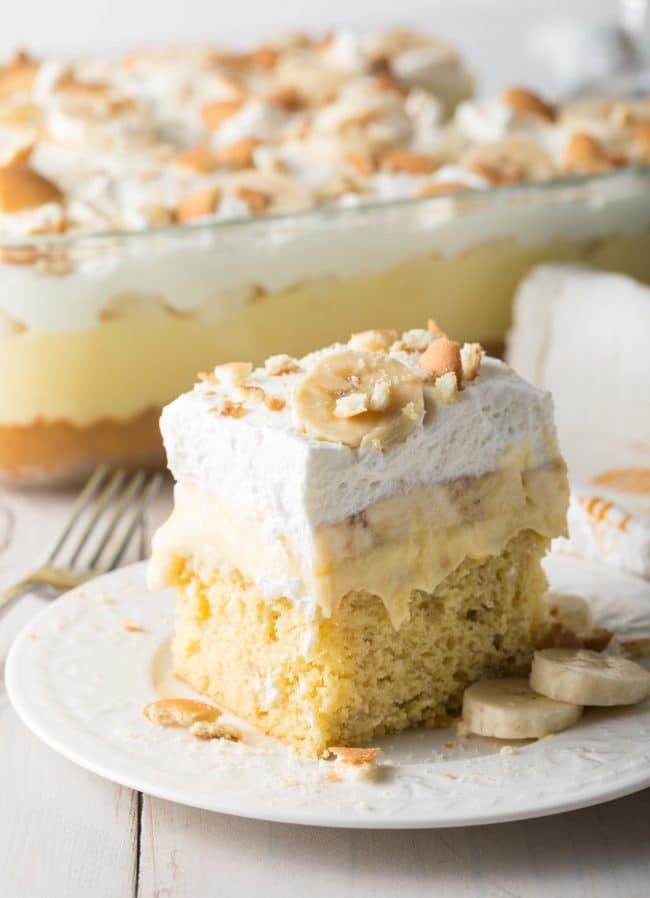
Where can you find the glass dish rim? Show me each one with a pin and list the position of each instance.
(325, 212)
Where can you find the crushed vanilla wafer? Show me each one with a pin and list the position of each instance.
(442, 357)
(445, 388)
(215, 729)
(378, 340)
(234, 374)
(274, 403)
(277, 365)
(180, 712)
(132, 627)
(355, 763)
(470, 358)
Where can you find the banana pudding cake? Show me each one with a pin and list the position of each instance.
(357, 534)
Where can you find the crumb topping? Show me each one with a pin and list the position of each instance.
(355, 756)
(373, 340)
(408, 162)
(214, 729)
(229, 409)
(369, 393)
(275, 403)
(470, 359)
(233, 374)
(445, 388)
(587, 155)
(525, 102)
(197, 205)
(434, 328)
(22, 188)
(415, 340)
(351, 404)
(277, 365)
(441, 357)
(165, 136)
(180, 712)
(132, 627)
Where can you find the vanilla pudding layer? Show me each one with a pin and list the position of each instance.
(404, 542)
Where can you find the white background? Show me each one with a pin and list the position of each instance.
(496, 35)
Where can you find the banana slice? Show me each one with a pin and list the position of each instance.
(571, 611)
(587, 678)
(359, 399)
(510, 709)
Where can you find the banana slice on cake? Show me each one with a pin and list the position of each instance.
(359, 399)
(588, 678)
(510, 709)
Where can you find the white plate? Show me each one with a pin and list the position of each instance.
(80, 680)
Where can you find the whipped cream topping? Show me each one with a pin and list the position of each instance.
(484, 121)
(244, 459)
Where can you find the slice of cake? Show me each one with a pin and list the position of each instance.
(357, 535)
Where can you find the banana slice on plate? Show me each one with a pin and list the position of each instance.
(588, 678)
(359, 399)
(510, 709)
(571, 611)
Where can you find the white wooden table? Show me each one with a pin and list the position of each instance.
(65, 833)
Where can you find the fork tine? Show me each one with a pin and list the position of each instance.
(147, 494)
(123, 503)
(83, 499)
(101, 503)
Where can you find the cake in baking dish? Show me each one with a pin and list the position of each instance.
(357, 534)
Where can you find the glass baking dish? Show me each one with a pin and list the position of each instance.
(98, 332)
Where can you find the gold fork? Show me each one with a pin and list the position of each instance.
(112, 505)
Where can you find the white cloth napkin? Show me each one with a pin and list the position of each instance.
(585, 335)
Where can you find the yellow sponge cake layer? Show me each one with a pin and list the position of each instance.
(352, 677)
